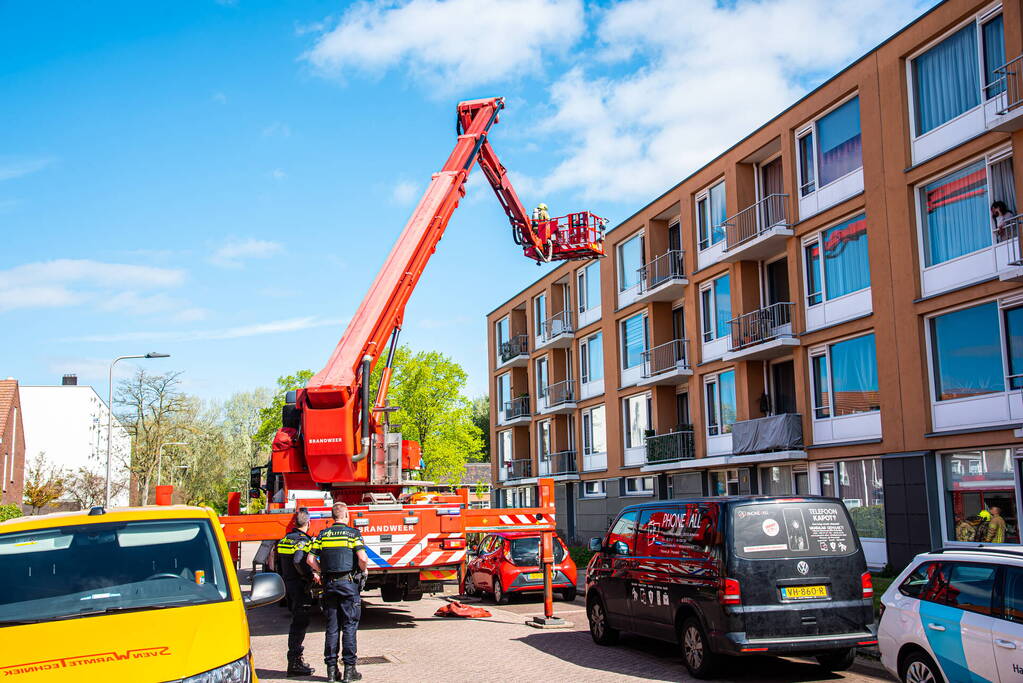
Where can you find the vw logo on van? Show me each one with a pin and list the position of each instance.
(803, 568)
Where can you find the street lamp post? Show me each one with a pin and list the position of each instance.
(159, 458)
(110, 410)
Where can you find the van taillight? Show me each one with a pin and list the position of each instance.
(730, 593)
(867, 581)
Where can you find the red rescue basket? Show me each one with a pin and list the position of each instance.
(573, 236)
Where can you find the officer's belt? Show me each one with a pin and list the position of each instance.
(339, 576)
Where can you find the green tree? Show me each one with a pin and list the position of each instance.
(481, 418)
(44, 483)
(270, 415)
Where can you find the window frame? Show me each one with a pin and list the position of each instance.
(622, 339)
(541, 389)
(716, 427)
(809, 130)
(824, 350)
(540, 314)
(544, 446)
(620, 262)
(978, 20)
(586, 424)
(583, 304)
(817, 239)
(701, 200)
(500, 381)
(642, 491)
(709, 286)
(599, 484)
(502, 456)
(627, 425)
(585, 357)
(498, 337)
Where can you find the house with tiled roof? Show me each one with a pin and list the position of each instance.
(12, 444)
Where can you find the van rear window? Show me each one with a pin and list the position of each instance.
(796, 529)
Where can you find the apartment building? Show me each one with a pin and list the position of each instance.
(827, 307)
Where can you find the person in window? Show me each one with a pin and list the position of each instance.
(995, 526)
(968, 530)
(1000, 215)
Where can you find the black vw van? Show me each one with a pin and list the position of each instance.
(734, 576)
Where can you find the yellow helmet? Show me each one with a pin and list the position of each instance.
(542, 207)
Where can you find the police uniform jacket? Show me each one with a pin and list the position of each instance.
(292, 551)
(335, 549)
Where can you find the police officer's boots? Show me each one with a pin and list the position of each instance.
(298, 667)
(333, 675)
(351, 674)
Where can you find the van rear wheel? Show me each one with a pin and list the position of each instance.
(696, 653)
(601, 633)
(838, 660)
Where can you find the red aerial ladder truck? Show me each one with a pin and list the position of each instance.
(335, 435)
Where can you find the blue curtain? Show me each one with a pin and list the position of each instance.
(958, 214)
(846, 260)
(1014, 342)
(994, 55)
(723, 305)
(633, 341)
(946, 80)
(967, 353)
(854, 375)
(839, 146)
(718, 213)
(726, 382)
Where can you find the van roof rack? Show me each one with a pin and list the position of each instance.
(1014, 550)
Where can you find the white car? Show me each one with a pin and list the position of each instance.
(955, 615)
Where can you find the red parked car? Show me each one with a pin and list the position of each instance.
(509, 562)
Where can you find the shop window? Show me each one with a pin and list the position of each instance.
(980, 496)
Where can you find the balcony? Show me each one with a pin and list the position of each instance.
(780, 436)
(665, 451)
(758, 231)
(518, 469)
(764, 333)
(663, 279)
(559, 398)
(514, 352)
(557, 332)
(666, 364)
(1008, 252)
(561, 464)
(516, 412)
(1004, 109)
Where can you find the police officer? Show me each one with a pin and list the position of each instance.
(292, 565)
(338, 558)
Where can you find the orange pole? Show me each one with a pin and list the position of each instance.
(234, 507)
(547, 558)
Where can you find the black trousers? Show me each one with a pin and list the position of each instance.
(300, 605)
(342, 607)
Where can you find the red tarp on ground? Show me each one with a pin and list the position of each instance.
(457, 609)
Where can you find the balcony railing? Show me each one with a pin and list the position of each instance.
(752, 221)
(557, 324)
(768, 434)
(666, 267)
(1010, 77)
(516, 346)
(517, 407)
(1010, 233)
(762, 325)
(520, 469)
(670, 447)
(666, 358)
(560, 393)
(562, 462)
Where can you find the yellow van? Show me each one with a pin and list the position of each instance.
(135, 594)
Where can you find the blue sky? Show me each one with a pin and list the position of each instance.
(221, 180)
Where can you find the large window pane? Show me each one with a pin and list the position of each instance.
(946, 80)
(957, 215)
(504, 391)
(637, 419)
(595, 357)
(726, 392)
(718, 213)
(539, 313)
(589, 287)
(722, 306)
(980, 496)
(861, 488)
(502, 332)
(839, 148)
(633, 341)
(598, 434)
(713, 421)
(806, 168)
(821, 388)
(967, 353)
(846, 258)
(813, 274)
(630, 260)
(1014, 346)
(994, 55)
(854, 376)
(707, 308)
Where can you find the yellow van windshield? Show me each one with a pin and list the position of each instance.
(89, 569)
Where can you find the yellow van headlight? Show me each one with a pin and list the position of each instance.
(238, 671)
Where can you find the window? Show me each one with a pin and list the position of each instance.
(541, 377)
(639, 486)
(624, 530)
(1013, 594)
(861, 488)
(539, 314)
(504, 446)
(594, 431)
(970, 587)
(949, 78)
(630, 260)
(846, 264)
(967, 349)
(588, 291)
(776, 480)
(913, 586)
(637, 419)
(956, 218)
(501, 332)
(543, 439)
(634, 340)
(711, 213)
(845, 378)
(735, 482)
(980, 481)
(503, 392)
(717, 308)
(830, 148)
(720, 403)
(593, 489)
(591, 358)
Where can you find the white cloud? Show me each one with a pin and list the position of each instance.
(254, 330)
(169, 307)
(37, 296)
(451, 43)
(219, 97)
(16, 168)
(231, 254)
(710, 75)
(278, 174)
(277, 129)
(404, 192)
